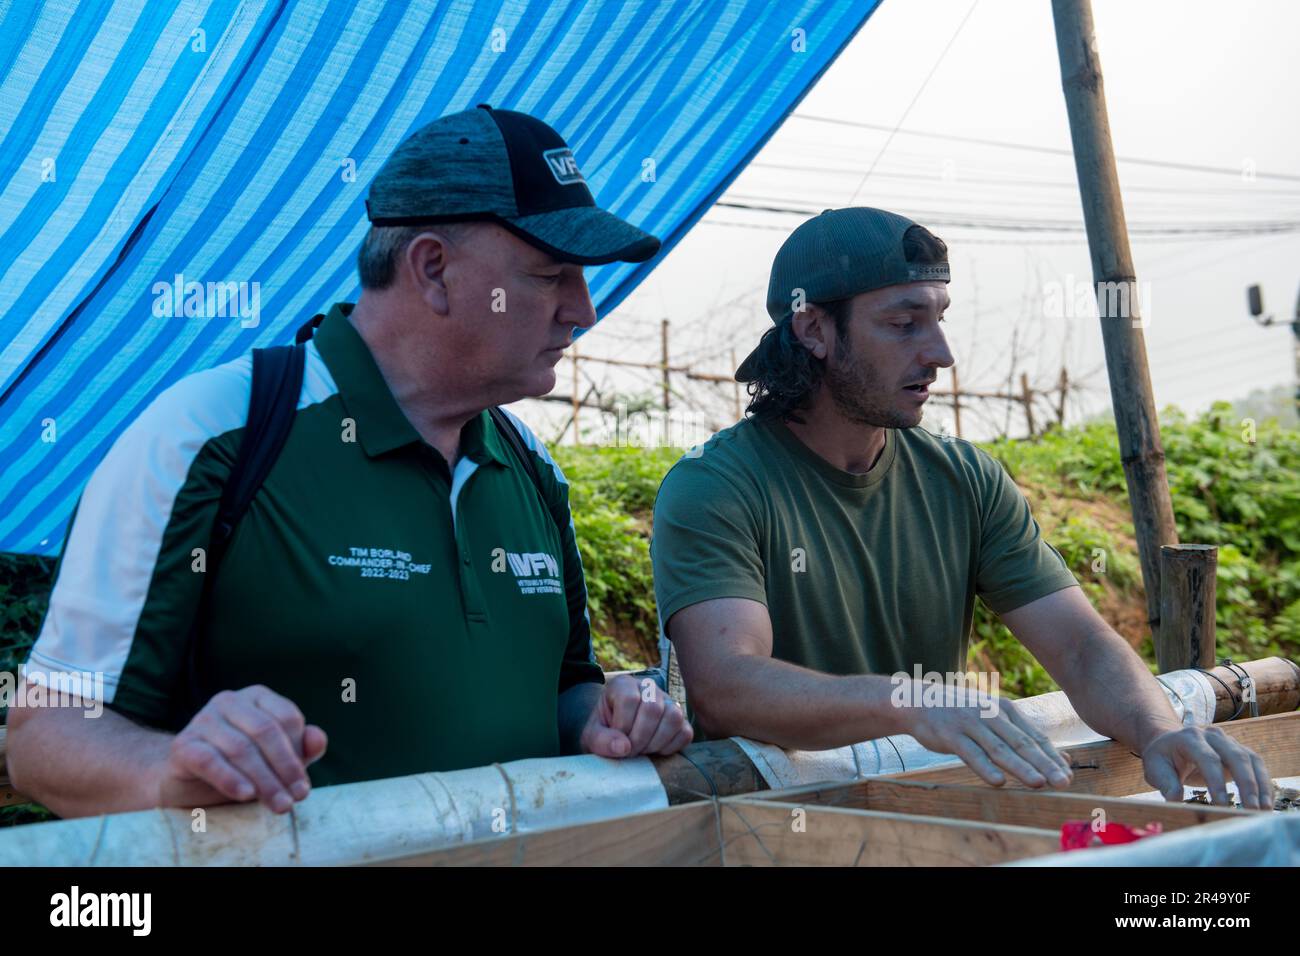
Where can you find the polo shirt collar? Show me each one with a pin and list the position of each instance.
(481, 442)
(381, 423)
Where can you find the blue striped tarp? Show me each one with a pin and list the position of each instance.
(145, 144)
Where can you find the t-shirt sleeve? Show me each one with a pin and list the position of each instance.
(128, 585)
(1016, 566)
(705, 543)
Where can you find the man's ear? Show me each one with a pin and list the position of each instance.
(814, 329)
(425, 265)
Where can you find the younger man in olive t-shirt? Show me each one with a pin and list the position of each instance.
(806, 556)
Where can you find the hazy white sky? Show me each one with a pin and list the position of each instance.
(1187, 82)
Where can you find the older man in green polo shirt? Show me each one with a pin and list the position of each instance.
(816, 559)
(406, 583)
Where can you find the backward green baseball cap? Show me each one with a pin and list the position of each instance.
(837, 255)
(505, 167)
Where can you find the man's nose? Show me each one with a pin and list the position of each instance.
(579, 309)
(937, 352)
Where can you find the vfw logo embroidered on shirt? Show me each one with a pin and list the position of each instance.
(536, 572)
(563, 166)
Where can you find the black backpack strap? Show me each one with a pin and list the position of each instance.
(272, 404)
(516, 442)
(308, 328)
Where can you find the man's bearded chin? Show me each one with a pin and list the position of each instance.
(860, 397)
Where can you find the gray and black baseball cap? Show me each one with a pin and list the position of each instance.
(505, 167)
(837, 255)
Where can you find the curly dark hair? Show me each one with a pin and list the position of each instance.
(785, 374)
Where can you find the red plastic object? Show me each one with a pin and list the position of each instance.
(1079, 834)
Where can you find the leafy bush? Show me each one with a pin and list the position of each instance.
(612, 492)
(1228, 490)
(24, 594)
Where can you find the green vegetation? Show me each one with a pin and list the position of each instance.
(1230, 488)
(24, 593)
(612, 495)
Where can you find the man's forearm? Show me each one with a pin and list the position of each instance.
(78, 766)
(572, 712)
(794, 707)
(1114, 693)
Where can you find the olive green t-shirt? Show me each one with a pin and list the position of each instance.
(861, 574)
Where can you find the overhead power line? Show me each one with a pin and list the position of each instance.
(971, 203)
(952, 39)
(1235, 192)
(1224, 228)
(987, 241)
(1050, 150)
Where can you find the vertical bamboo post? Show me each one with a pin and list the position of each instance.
(577, 402)
(1028, 398)
(1295, 351)
(1063, 387)
(663, 349)
(956, 403)
(1112, 269)
(1187, 603)
(735, 388)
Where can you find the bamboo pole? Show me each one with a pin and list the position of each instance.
(627, 363)
(577, 404)
(735, 388)
(1028, 398)
(707, 769)
(1187, 604)
(710, 377)
(1113, 272)
(1063, 387)
(555, 397)
(1275, 682)
(956, 403)
(967, 393)
(663, 346)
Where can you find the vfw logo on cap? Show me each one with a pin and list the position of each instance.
(563, 166)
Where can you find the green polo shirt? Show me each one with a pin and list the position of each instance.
(426, 616)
